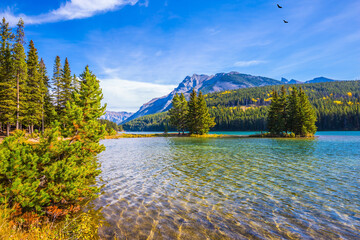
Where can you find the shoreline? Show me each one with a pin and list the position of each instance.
(151, 135)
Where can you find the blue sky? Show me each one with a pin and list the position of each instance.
(141, 49)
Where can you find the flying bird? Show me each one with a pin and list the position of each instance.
(285, 21)
(279, 6)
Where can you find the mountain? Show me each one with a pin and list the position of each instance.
(206, 84)
(246, 109)
(321, 80)
(116, 117)
(315, 80)
(214, 83)
(292, 81)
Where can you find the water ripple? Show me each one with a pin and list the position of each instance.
(183, 188)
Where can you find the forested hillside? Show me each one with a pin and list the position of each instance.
(336, 104)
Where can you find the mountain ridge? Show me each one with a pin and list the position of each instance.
(205, 83)
(116, 117)
(213, 83)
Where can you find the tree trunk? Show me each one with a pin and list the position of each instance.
(18, 101)
(42, 122)
(8, 129)
(32, 128)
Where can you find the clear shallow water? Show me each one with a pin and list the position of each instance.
(188, 188)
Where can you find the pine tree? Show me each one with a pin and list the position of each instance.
(282, 109)
(85, 106)
(175, 113)
(57, 84)
(184, 110)
(65, 85)
(293, 112)
(20, 70)
(205, 121)
(7, 80)
(192, 118)
(307, 115)
(273, 114)
(34, 96)
(48, 110)
(75, 84)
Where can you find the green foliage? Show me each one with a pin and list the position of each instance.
(48, 109)
(7, 80)
(20, 72)
(34, 96)
(193, 116)
(205, 121)
(178, 113)
(56, 171)
(291, 113)
(57, 83)
(65, 86)
(110, 126)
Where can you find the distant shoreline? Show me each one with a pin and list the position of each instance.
(186, 135)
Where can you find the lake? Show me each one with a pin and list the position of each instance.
(232, 188)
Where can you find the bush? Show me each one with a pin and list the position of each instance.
(55, 172)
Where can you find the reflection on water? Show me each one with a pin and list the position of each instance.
(187, 188)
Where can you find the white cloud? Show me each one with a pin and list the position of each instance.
(125, 95)
(74, 9)
(248, 63)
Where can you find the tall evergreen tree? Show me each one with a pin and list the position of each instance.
(65, 85)
(205, 121)
(192, 114)
(57, 84)
(175, 113)
(34, 96)
(274, 115)
(20, 70)
(307, 115)
(184, 110)
(75, 84)
(83, 112)
(48, 110)
(293, 112)
(7, 80)
(282, 103)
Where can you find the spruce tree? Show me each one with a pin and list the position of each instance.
(48, 110)
(75, 84)
(66, 84)
(273, 114)
(34, 96)
(57, 84)
(192, 118)
(293, 112)
(282, 120)
(307, 115)
(184, 109)
(7, 80)
(84, 110)
(175, 113)
(204, 121)
(20, 70)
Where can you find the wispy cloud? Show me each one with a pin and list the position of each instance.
(124, 95)
(74, 9)
(248, 63)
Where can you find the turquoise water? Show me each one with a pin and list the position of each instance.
(230, 188)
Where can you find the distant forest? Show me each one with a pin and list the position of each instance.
(337, 106)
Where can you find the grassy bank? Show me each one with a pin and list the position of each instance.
(83, 225)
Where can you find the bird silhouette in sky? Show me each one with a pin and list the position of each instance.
(279, 6)
(285, 21)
